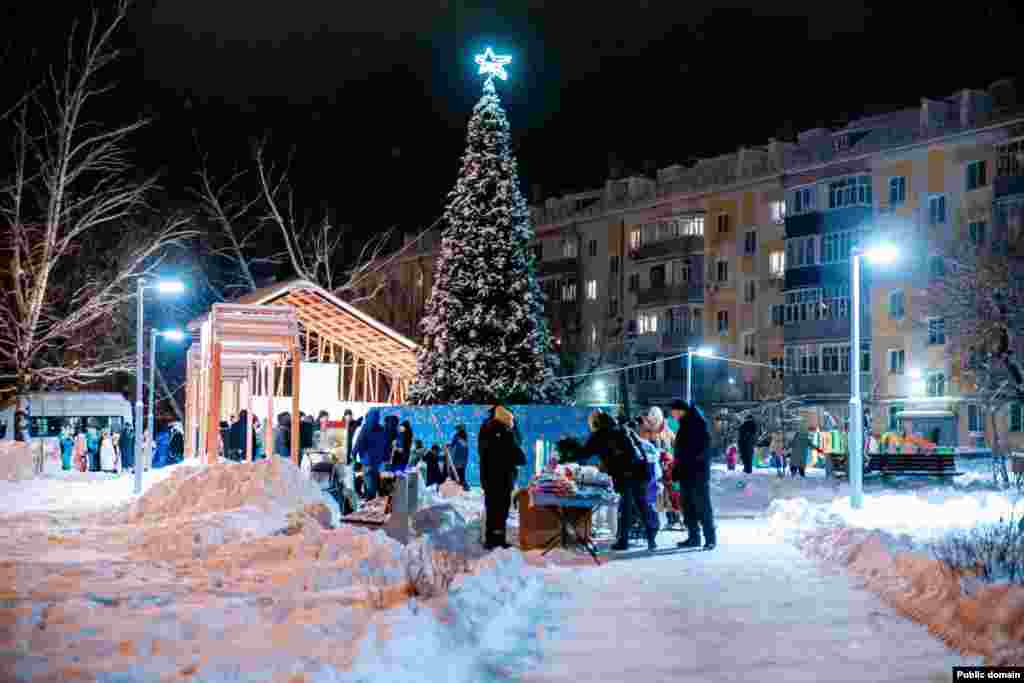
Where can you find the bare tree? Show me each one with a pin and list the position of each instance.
(72, 186)
(314, 250)
(980, 295)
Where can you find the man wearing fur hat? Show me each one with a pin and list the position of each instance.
(500, 458)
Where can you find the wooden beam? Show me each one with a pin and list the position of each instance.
(296, 374)
(248, 424)
(268, 443)
(213, 423)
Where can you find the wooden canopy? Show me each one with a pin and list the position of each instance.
(378, 362)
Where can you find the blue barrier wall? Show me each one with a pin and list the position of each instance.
(537, 423)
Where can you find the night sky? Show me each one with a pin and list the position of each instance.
(374, 96)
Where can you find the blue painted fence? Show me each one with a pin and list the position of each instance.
(541, 426)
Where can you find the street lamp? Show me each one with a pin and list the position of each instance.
(703, 352)
(164, 287)
(881, 254)
(172, 335)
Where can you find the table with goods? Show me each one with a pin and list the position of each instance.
(572, 493)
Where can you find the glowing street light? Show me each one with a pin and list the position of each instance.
(880, 254)
(164, 287)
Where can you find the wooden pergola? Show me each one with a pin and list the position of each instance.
(377, 364)
(238, 345)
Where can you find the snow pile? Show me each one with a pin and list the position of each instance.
(16, 461)
(489, 629)
(884, 544)
(195, 509)
(264, 484)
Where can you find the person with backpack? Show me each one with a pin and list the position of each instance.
(622, 458)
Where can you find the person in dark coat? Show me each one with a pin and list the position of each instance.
(127, 445)
(402, 447)
(459, 450)
(500, 459)
(372, 450)
(351, 425)
(177, 445)
(283, 436)
(748, 434)
(306, 430)
(236, 436)
(621, 455)
(435, 473)
(692, 470)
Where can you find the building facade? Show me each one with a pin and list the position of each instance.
(748, 254)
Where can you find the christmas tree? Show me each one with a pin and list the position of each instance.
(485, 338)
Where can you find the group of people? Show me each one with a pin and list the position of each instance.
(628, 451)
(88, 448)
(392, 447)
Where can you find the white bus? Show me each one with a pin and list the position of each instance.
(49, 412)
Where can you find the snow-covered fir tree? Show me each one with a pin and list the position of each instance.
(485, 337)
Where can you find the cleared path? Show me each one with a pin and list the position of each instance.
(753, 609)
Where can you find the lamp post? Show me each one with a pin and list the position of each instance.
(173, 335)
(879, 254)
(164, 287)
(703, 352)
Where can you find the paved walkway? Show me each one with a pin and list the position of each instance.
(752, 610)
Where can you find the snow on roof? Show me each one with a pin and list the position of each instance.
(925, 413)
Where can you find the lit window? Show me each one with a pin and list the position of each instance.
(592, 290)
(634, 239)
(593, 335)
(569, 249)
(777, 263)
(647, 323)
(778, 210)
(694, 226)
(569, 290)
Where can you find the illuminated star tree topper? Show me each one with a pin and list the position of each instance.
(493, 65)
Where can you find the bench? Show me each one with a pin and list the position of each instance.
(839, 466)
(927, 464)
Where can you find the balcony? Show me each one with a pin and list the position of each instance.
(824, 385)
(687, 244)
(1007, 186)
(672, 341)
(831, 220)
(562, 266)
(670, 294)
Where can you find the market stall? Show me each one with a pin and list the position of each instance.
(558, 507)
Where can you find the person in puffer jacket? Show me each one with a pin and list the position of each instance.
(372, 449)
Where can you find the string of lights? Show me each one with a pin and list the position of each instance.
(609, 371)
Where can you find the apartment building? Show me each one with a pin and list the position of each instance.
(748, 253)
(920, 178)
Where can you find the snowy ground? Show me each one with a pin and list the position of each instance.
(211, 577)
(753, 609)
